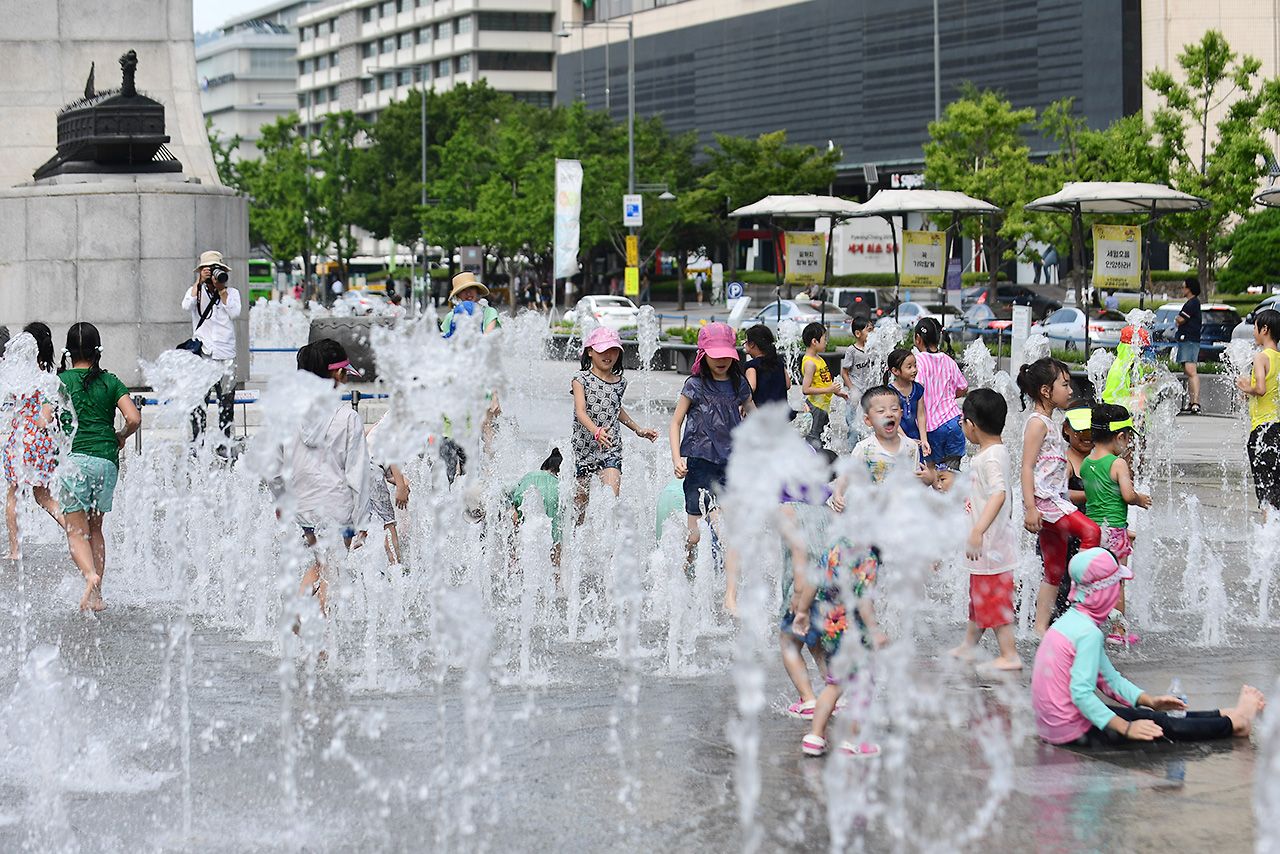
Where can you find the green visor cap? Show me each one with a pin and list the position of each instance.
(1080, 418)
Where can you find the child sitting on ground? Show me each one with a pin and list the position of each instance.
(887, 448)
(1108, 489)
(846, 587)
(1072, 665)
(804, 514)
(816, 382)
(991, 553)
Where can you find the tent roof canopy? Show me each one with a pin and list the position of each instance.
(799, 206)
(894, 202)
(1269, 198)
(1118, 197)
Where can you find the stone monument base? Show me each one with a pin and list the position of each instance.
(118, 254)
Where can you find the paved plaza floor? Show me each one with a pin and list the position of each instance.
(110, 743)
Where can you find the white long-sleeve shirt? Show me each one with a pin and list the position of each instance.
(326, 468)
(218, 332)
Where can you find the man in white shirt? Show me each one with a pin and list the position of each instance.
(214, 307)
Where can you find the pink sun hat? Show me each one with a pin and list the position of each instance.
(717, 341)
(602, 339)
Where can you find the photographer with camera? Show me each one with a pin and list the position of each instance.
(214, 307)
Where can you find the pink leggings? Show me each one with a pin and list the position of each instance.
(1053, 542)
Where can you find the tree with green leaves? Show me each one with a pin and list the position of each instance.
(978, 148)
(278, 189)
(1209, 129)
(743, 171)
(1251, 252)
(334, 184)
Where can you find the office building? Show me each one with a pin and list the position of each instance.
(247, 72)
(361, 55)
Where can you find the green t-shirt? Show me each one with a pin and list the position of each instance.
(95, 409)
(489, 315)
(548, 485)
(1103, 502)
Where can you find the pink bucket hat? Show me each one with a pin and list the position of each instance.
(715, 341)
(602, 339)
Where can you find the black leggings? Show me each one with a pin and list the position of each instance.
(1196, 726)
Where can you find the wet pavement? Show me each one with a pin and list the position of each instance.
(590, 755)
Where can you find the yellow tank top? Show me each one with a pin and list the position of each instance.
(821, 377)
(1265, 408)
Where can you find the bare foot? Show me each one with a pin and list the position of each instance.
(730, 607)
(1003, 663)
(90, 592)
(1246, 709)
(13, 556)
(96, 602)
(962, 652)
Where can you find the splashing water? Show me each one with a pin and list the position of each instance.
(978, 364)
(1098, 366)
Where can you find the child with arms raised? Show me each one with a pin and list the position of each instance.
(991, 553)
(1049, 511)
(1108, 489)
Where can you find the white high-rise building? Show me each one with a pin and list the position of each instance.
(247, 72)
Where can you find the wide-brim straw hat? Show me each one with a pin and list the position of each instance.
(211, 258)
(462, 281)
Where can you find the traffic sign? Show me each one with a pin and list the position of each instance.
(632, 211)
(733, 290)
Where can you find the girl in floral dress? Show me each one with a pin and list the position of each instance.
(29, 454)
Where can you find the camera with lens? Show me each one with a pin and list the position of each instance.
(221, 276)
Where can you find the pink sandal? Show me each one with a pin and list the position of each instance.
(813, 745)
(1122, 640)
(802, 709)
(864, 750)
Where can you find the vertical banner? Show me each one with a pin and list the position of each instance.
(953, 283)
(1117, 257)
(806, 257)
(568, 208)
(631, 284)
(922, 261)
(633, 250)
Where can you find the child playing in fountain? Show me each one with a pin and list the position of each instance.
(943, 385)
(816, 382)
(765, 372)
(712, 402)
(325, 467)
(886, 448)
(901, 377)
(1049, 511)
(87, 477)
(1108, 489)
(597, 406)
(1072, 664)
(991, 552)
(29, 453)
(380, 499)
(546, 483)
(804, 514)
(858, 371)
(1262, 388)
(845, 588)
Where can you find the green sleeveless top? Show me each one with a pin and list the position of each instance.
(1103, 502)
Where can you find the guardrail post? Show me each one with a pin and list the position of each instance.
(138, 401)
(355, 399)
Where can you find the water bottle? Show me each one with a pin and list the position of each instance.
(1175, 690)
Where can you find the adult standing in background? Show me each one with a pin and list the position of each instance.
(214, 308)
(1188, 349)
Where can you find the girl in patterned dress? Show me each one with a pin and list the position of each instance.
(597, 407)
(29, 454)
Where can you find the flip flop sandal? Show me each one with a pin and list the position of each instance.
(1194, 409)
(1122, 640)
(813, 745)
(802, 710)
(865, 750)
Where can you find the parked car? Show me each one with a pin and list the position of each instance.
(908, 314)
(978, 321)
(1066, 327)
(1009, 295)
(1244, 329)
(613, 312)
(361, 302)
(802, 312)
(1217, 323)
(872, 303)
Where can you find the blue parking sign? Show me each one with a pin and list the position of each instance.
(734, 290)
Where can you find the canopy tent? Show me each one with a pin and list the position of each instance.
(891, 203)
(1116, 197)
(806, 205)
(1268, 198)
